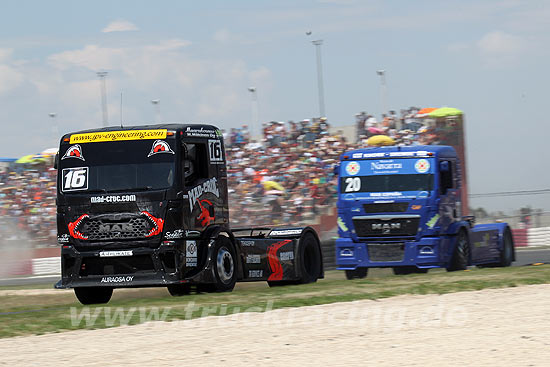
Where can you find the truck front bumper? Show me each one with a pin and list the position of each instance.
(424, 253)
(144, 267)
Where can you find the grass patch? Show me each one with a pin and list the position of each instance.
(24, 311)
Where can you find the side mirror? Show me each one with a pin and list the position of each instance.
(56, 160)
(444, 166)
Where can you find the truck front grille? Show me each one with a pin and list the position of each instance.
(386, 226)
(101, 229)
(386, 251)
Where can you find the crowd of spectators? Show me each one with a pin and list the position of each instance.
(407, 128)
(286, 177)
(27, 204)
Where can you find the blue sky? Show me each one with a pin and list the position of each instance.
(488, 58)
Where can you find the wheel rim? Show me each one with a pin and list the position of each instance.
(224, 263)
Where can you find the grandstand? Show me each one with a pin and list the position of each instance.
(286, 178)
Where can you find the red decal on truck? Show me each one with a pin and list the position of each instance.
(73, 227)
(204, 217)
(160, 146)
(158, 223)
(74, 151)
(273, 260)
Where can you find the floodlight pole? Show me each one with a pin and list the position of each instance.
(383, 90)
(255, 112)
(102, 75)
(320, 88)
(156, 103)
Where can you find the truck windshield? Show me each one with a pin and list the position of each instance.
(387, 183)
(117, 166)
(140, 176)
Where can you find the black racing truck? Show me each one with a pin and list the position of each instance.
(147, 206)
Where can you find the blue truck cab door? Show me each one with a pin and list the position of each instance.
(449, 194)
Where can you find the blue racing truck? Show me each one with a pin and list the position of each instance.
(400, 208)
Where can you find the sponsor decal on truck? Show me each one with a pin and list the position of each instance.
(209, 186)
(112, 199)
(124, 279)
(101, 136)
(253, 259)
(191, 253)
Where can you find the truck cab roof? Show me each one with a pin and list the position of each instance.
(443, 151)
(167, 126)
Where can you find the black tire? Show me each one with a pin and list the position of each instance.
(461, 254)
(359, 273)
(507, 253)
(224, 263)
(310, 259)
(93, 295)
(404, 270)
(178, 290)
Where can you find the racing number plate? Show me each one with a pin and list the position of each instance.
(73, 179)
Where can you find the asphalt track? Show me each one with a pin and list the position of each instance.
(523, 257)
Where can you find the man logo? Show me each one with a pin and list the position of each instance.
(160, 146)
(74, 151)
(386, 227)
(117, 228)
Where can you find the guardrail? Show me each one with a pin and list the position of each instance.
(538, 236)
(531, 237)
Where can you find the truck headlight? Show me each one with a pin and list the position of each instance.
(346, 252)
(427, 250)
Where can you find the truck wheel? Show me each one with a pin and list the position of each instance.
(359, 273)
(178, 290)
(310, 259)
(225, 265)
(461, 255)
(93, 295)
(507, 254)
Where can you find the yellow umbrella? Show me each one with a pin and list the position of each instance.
(445, 111)
(30, 159)
(380, 140)
(272, 185)
(26, 159)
